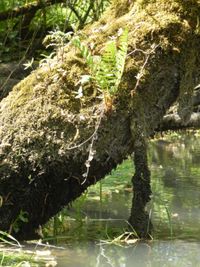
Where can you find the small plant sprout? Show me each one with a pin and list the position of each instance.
(29, 64)
(21, 218)
(85, 79)
(57, 39)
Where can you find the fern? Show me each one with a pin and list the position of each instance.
(105, 74)
(85, 53)
(108, 72)
(111, 67)
(121, 55)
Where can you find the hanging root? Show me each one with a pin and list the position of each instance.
(139, 218)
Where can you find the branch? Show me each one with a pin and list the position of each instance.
(28, 8)
(87, 14)
(75, 12)
(174, 122)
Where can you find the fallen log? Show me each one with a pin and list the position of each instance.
(54, 144)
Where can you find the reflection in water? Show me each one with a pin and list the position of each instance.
(176, 186)
(156, 254)
(175, 209)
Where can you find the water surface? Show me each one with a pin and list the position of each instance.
(103, 213)
(175, 212)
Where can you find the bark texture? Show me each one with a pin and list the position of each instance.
(174, 122)
(139, 218)
(54, 145)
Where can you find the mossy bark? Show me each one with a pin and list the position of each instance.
(49, 137)
(139, 219)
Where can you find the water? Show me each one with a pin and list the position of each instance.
(176, 186)
(155, 254)
(174, 209)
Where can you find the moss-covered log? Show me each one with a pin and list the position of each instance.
(55, 144)
(174, 122)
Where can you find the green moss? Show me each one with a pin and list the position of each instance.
(120, 8)
(190, 76)
(42, 118)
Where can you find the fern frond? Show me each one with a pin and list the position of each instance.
(121, 55)
(105, 75)
(85, 53)
(108, 72)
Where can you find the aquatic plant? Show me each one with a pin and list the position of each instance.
(12, 255)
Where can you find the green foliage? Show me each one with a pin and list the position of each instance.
(21, 218)
(11, 259)
(112, 63)
(169, 217)
(8, 239)
(121, 55)
(16, 257)
(56, 39)
(108, 71)
(85, 52)
(18, 35)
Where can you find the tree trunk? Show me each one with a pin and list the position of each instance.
(55, 144)
(139, 218)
